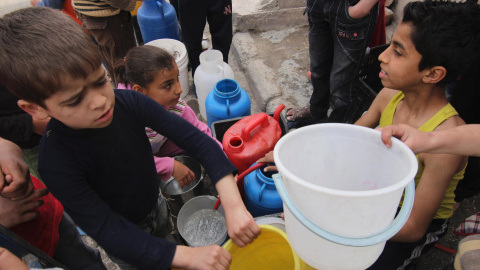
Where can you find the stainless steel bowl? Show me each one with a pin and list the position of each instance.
(177, 196)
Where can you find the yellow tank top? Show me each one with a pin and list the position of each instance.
(446, 207)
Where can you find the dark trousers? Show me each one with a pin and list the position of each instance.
(397, 255)
(72, 252)
(114, 35)
(193, 14)
(337, 44)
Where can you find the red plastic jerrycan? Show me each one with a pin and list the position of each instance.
(251, 138)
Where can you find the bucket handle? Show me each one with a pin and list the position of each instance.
(262, 119)
(382, 236)
(160, 7)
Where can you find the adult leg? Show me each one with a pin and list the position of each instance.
(114, 35)
(219, 16)
(72, 252)
(192, 20)
(320, 44)
(350, 39)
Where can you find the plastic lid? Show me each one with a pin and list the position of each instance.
(173, 46)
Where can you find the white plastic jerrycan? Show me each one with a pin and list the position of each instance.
(211, 70)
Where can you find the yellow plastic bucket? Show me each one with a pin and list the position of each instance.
(270, 250)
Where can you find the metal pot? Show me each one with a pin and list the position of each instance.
(177, 196)
(200, 225)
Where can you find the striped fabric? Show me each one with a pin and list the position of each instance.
(157, 140)
(470, 225)
(418, 251)
(100, 8)
(468, 256)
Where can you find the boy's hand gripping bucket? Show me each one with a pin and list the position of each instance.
(341, 188)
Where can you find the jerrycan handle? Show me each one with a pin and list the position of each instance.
(160, 7)
(278, 110)
(222, 70)
(262, 119)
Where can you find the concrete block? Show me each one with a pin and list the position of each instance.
(281, 4)
(262, 82)
(269, 20)
(7, 6)
(244, 47)
(291, 3)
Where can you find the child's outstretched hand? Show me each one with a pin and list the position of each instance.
(241, 226)
(200, 258)
(268, 159)
(182, 174)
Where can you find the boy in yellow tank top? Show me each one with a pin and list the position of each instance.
(432, 46)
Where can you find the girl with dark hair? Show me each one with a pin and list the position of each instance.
(153, 71)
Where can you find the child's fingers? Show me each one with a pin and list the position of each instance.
(17, 190)
(29, 216)
(31, 205)
(270, 169)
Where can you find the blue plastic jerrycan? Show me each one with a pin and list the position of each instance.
(226, 100)
(157, 19)
(261, 196)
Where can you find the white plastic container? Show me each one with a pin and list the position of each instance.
(344, 180)
(211, 70)
(178, 50)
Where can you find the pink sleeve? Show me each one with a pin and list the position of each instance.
(164, 167)
(123, 86)
(189, 115)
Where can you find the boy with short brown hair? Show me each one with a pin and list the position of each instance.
(433, 45)
(95, 157)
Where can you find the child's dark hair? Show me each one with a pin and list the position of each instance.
(446, 34)
(142, 64)
(40, 49)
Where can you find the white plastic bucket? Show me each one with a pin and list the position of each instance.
(339, 182)
(178, 50)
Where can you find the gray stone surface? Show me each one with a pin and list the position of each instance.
(7, 6)
(275, 63)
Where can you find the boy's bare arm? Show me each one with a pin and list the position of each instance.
(438, 172)
(429, 193)
(361, 9)
(371, 118)
(240, 224)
